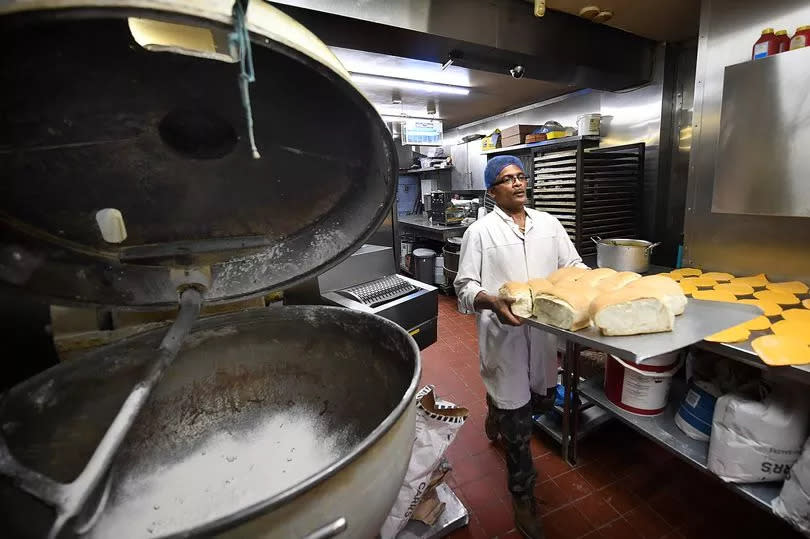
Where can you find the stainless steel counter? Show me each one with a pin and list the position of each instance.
(700, 319)
(663, 430)
(425, 228)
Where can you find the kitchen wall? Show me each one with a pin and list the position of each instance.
(737, 243)
(643, 114)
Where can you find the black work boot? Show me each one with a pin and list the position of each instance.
(543, 403)
(527, 520)
(491, 427)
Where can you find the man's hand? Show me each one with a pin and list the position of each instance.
(500, 306)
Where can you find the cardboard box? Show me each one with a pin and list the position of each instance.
(492, 141)
(513, 140)
(520, 130)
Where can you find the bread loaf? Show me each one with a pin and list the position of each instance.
(590, 278)
(522, 295)
(632, 310)
(672, 292)
(565, 273)
(617, 281)
(565, 307)
(539, 285)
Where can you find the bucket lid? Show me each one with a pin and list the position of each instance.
(424, 253)
(126, 167)
(455, 241)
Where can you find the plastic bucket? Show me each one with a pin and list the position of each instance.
(424, 262)
(641, 389)
(588, 124)
(695, 414)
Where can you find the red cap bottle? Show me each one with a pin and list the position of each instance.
(783, 41)
(801, 38)
(766, 45)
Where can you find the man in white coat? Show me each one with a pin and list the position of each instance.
(518, 362)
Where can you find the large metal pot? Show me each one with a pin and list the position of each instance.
(272, 424)
(268, 424)
(623, 254)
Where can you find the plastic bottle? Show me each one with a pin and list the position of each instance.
(783, 40)
(801, 38)
(766, 45)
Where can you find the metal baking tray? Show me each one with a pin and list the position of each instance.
(561, 204)
(700, 319)
(549, 163)
(556, 182)
(556, 155)
(553, 189)
(560, 176)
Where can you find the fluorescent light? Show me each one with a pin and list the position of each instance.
(393, 118)
(390, 82)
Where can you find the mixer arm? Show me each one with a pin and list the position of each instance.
(69, 499)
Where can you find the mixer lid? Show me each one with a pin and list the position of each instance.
(126, 166)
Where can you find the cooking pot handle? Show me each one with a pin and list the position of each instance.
(330, 530)
(596, 239)
(652, 246)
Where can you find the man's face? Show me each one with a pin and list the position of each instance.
(509, 191)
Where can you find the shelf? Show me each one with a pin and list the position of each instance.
(743, 353)
(663, 430)
(552, 142)
(420, 170)
(700, 319)
(589, 420)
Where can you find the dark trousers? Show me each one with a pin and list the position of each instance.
(515, 427)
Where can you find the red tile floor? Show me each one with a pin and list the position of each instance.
(623, 486)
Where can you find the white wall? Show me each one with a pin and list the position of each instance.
(629, 117)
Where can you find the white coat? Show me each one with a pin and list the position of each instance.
(514, 360)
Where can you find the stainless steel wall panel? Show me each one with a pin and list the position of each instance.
(740, 244)
(762, 165)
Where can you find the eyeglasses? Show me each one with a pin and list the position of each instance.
(511, 178)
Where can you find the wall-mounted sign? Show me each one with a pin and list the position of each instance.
(420, 132)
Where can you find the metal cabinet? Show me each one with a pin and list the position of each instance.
(476, 162)
(468, 166)
(460, 175)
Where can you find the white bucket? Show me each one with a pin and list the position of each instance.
(641, 389)
(588, 124)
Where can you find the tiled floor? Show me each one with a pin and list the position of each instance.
(623, 487)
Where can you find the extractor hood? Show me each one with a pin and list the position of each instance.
(493, 36)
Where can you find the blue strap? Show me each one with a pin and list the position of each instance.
(239, 40)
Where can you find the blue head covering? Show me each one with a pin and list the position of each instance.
(497, 164)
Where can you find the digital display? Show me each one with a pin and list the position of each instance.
(419, 132)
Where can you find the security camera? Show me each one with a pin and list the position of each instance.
(517, 72)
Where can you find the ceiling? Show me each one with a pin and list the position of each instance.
(494, 93)
(490, 93)
(659, 20)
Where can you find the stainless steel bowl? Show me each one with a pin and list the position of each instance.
(269, 423)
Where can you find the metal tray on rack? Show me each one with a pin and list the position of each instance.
(549, 163)
(566, 176)
(556, 155)
(700, 319)
(553, 168)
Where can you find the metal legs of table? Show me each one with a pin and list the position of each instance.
(570, 413)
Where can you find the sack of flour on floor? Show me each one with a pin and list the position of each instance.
(758, 432)
(793, 503)
(436, 426)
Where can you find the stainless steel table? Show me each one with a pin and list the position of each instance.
(699, 320)
(422, 227)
